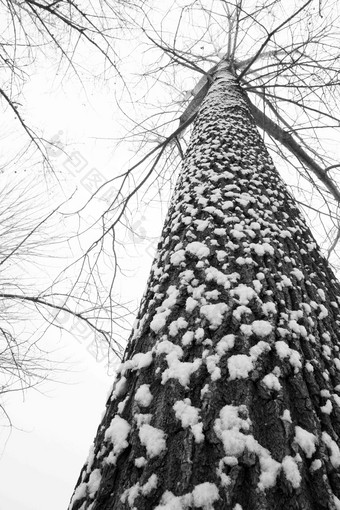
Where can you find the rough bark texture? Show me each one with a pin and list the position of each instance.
(228, 394)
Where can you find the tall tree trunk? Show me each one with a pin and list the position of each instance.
(228, 394)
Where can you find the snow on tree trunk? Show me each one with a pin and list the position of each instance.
(228, 394)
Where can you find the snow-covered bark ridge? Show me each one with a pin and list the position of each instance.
(228, 397)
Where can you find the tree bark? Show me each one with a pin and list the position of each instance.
(228, 396)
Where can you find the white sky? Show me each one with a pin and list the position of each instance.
(53, 432)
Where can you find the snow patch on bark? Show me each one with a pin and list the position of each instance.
(189, 417)
(239, 365)
(334, 449)
(214, 314)
(271, 382)
(136, 490)
(180, 370)
(153, 439)
(164, 310)
(203, 496)
(198, 249)
(143, 395)
(232, 428)
(117, 433)
(291, 471)
(306, 440)
(261, 328)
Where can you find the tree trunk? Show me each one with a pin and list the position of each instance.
(228, 394)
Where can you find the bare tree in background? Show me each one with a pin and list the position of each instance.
(31, 208)
(66, 30)
(228, 394)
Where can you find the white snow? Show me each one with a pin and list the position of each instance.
(187, 338)
(228, 429)
(167, 347)
(221, 255)
(309, 367)
(323, 313)
(94, 482)
(327, 408)
(140, 462)
(133, 492)
(170, 301)
(315, 465)
(130, 494)
(180, 371)
(237, 234)
(143, 395)
(201, 225)
(189, 417)
(334, 449)
(227, 204)
(284, 351)
(259, 349)
(336, 399)
(336, 502)
(306, 440)
(171, 502)
(176, 325)
(142, 418)
(213, 274)
(272, 382)
(214, 314)
(121, 405)
(268, 308)
(226, 343)
(337, 363)
(321, 294)
(79, 493)
(297, 273)
(139, 360)
(244, 293)
(212, 295)
(241, 310)
(220, 231)
(120, 388)
(117, 433)
(159, 320)
(286, 416)
(239, 366)
(199, 334)
(204, 495)
(261, 328)
(213, 369)
(177, 257)
(291, 471)
(198, 249)
(153, 439)
(190, 304)
(233, 430)
(297, 328)
(90, 459)
(149, 485)
(269, 470)
(261, 249)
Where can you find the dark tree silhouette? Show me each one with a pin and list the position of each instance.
(228, 395)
